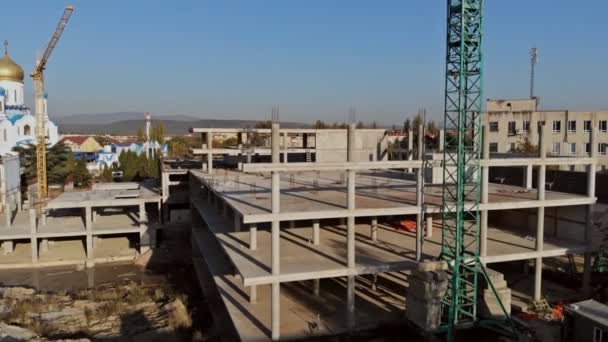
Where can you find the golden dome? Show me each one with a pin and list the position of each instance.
(9, 70)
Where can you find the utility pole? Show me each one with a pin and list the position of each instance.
(533, 60)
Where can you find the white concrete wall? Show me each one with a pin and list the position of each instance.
(369, 145)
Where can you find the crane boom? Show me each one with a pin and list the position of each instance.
(55, 38)
(38, 78)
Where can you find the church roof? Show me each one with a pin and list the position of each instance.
(9, 70)
(76, 139)
(16, 118)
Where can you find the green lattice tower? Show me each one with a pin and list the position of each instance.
(461, 172)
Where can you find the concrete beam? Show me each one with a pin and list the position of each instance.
(342, 166)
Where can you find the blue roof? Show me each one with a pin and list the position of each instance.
(16, 118)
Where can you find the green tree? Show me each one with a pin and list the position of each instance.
(431, 126)
(56, 162)
(81, 175)
(140, 135)
(319, 124)
(407, 125)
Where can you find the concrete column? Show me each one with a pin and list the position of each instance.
(316, 234)
(19, 201)
(591, 174)
(528, 176)
(253, 294)
(237, 222)
(88, 214)
(410, 147)
(350, 142)
(145, 242)
(540, 217)
(374, 229)
(429, 226)
(33, 222)
(292, 224)
(284, 147)
(419, 194)
(350, 303)
(316, 286)
(485, 175)
(33, 240)
(275, 232)
(8, 247)
(351, 197)
(8, 212)
(441, 139)
(94, 215)
(209, 137)
(253, 237)
(275, 143)
(44, 245)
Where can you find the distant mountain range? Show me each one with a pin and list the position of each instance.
(127, 123)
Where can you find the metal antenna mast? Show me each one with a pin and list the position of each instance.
(533, 61)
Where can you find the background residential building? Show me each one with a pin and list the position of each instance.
(513, 123)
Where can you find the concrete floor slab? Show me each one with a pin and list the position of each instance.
(303, 315)
(249, 194)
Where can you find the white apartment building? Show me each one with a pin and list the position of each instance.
(512, 122)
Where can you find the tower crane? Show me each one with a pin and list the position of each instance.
(460, 215)
(38, 78)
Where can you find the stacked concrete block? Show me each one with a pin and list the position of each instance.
(427, 285)
(490, 305)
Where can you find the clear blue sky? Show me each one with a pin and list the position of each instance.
(314, 58)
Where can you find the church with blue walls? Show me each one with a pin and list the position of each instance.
(17, 124)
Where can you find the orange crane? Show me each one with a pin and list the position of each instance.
(38, 77)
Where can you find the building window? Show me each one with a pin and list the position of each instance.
(494, 147)
(587, 149)
(526, 127)
(557, 126)
(27, 130)
(512, 147)
(601, 148)
(572, 126)
(571, 149)
(512, 128)
(555, 149)
(587, 126)
(603, 126)
(494, 126)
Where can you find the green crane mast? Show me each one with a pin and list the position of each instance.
(461, 169)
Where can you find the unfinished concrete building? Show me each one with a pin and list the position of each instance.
(289, 250)
(112, 222)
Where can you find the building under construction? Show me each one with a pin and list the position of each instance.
(291, 250)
